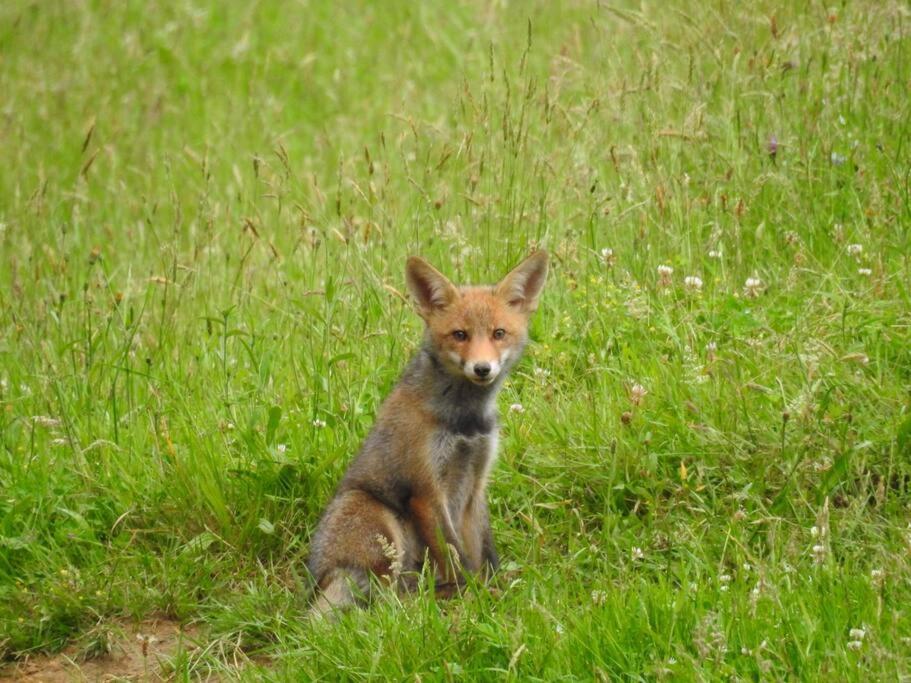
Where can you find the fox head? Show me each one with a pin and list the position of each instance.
(477, 333)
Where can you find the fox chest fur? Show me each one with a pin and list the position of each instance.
(461, 462)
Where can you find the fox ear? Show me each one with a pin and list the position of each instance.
(522, 286)
(428, 286)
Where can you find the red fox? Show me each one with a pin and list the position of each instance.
(418, 486)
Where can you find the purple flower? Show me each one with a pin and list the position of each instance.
(773, 146)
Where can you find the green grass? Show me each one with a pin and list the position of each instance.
(205, 211)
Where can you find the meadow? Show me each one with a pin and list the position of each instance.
(705, 465)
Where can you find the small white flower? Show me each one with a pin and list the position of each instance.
(877, 575)
(723, 588)
(747, 567)
(637, 393)
(541, 373)
(710, 350)
(607, 256)
(724, 578)
(715, 254)
(517, 408)
(745, 651)
(814, 531)
(692, 282)
(319, 424)
(854, 644)
(857, 633)
(752, 287)
(599, 597)
(664, 275)
(855, 249)
(637, 553)
(866, 272)
(281, 448)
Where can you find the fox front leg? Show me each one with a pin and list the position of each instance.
(435, 530)
(489, 557)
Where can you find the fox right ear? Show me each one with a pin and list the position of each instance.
(428, 286)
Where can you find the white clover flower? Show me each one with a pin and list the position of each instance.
(724, 578)
(637, 553)
(710, 350)
(693, 283)
(814, 531)
(541, 373)
(857, 633)
(866, 272)
(637, 393)
(319, 424)
(607, 256)
(715, 254)
(855, 249)
(752, 287)
(854, 644)
(664, 275)
(281, 448)
(517, 408)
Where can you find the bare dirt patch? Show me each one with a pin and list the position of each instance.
(136, 652)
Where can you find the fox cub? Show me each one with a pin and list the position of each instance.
(417, 487)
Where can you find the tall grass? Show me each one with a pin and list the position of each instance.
(204, 215)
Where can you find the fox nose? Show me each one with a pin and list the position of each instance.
(482, 369)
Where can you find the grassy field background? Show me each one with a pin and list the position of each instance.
(205, 209)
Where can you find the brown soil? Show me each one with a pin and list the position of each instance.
(136, 653)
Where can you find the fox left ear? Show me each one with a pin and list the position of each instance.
(522, 286)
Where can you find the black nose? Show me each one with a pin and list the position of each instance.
(482, 369)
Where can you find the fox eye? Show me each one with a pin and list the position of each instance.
(460, 335)
(499, 333)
